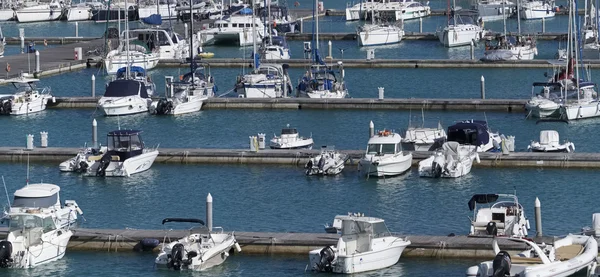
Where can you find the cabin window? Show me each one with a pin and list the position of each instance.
(248, 25)
(20, 222)
(388, 149)
(234, 25)
(373, 148)
(48, 224)
(136, 143)
(380, 230)
(225, 25)
(35, 202)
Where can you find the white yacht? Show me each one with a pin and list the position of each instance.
(503, 218)
(320, 81)
(124, 97)
(328, 162)
(28, 98)
(197, 251)
(79, 12)
(394, 9)
(584, 106)
(423, 138)
(39, 227)
(233, 30)
(380, 34)
(366, 244)
(168, 44)
(186, 95)
(124, 155)
(452, 161)
(475, 132)
(548, 102)
(460, 31)
(42, 12)
(537, 9)
(137, 55)
(275, 48)
(550, 142)
(507, 48)
(266, 81)
(491, 10)
(290, 139)
(384, 155)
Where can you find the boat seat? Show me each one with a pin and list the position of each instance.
(115, 158)
(525, 260)
(568, 252)
(94, 158)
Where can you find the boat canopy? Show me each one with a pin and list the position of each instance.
(36, 196)
(473, 132)
(356, 225)
(154, 19)
(482, 199)
(246, 11)
(126, 143)
(547, 84)
(191, 220)
(134, 70)
(289, 131)
(125, 87)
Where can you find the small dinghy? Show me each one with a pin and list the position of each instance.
(503, 218)
(565, 257)
(329, 162)
(550, 142)
(452, 161)
(290, 139)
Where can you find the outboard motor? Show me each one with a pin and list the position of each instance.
(501, 264)
(164, 106)
(436, 170)
(491, 229)
(327, 257)
(321, 163)
(104, 162)
(175, 260)
(5, 254)
(81, 167)
(6, 107)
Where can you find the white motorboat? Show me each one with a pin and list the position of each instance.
(537, 9)
(452, 161)
(503, 218)
(197, 251)
(329, 162)
(39, 228)
(475, 132)
(28, 98)
(44, 12)
(508, 48)
(366, 244)
(124, 97)
(82, 10)
(275, 48)
(394, 9)
(423, 139)
(124, 155)
(186, 95)
(137, 56)
(290, 139)
(550, 142)
(233, 30)
(7, 14)
(490, 10)
(585, 106)
(380, 34)
(320, 81)
(384, 156)
(547, 103)
(461, 30)
(565, 257)
(168, 44)
(266, 81)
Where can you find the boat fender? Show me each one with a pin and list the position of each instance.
(237, 247)
(491, 229)
(501, 264)
(5, 254)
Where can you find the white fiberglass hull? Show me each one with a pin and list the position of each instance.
(327, 94)
(386, 166)
(37, 15)
(52, 248)
(380, 37)
(111, 106)
(460, 35)
(581, 111)
(413, 13)
(262, 91)
(362, 262)
(235, 38)
(540, 107)
(297, 144)
(194, 104)
(115, 60)
(278, 53)
(458, 169)
(537, 11)
(79, 14)
(354, 13)
(36, 105)
(7, 14)
(130, 166)
(163, 9)
(206, 258)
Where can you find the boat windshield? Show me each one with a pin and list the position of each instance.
(124, 143)
(29, 221)
(377, 230)
(24, 86)
(377, 148)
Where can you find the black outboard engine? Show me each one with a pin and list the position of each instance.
(436, 170)
(321, 163)
(491, 229)
(175, 260)
(5, 254)
(164, 106)
(104, 162)
(327, 257)
(81, 167)
(6, 107)
(501, 264)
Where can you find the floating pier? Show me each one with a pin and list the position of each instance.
(416, 36)
(440, 12)
(300, 157)
(116, 240)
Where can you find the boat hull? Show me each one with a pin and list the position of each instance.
(52, 248)
(459, 169)
(386, 167)
(79, 14)
(235, 38)
(37, 15)
(580, 111)
(362, 262)
(164, 10)
(537, 13)
(7, 14)
(123, 105)
(115, 61)
(133, 165)
(380, 37)
(207, 257)
(460, 35)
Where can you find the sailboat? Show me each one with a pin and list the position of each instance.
(461, 30)
(379, 33)
(591, 45)
(187, 95)
(266, 80)
(537, 9)
(320, 81)
(510, 47)
(273, 47)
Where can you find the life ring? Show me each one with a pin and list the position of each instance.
(7, 67)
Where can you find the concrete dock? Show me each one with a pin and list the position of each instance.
(116, 240)
(300, 157)
(506, 105)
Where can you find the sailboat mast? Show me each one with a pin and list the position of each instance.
(127, 68)
(191, 42)
(504, 16)
(372, 12)
(454, 13)
(519, 16)
(253, 36)
(158, 7)
(317, 24)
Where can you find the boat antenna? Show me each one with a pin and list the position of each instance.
(422, 117)
(6, 191)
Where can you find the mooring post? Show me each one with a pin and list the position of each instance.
(185, 30)
(22, 45)
(371, 129)
(329, 45)
(76, 29)
(482, 87)
(301, 25)
(420, 25)
(543, 25)
(381, 92)
(209, 215)
(472, 50)
(538, 218)
(94, 133)
(37, 61)
(93, 85)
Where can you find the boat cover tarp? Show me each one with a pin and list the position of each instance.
(133, 69)
(473, 132)
(192, 220)
(154, 19)
(122, 88)
(450, 148)
(246, 11)
(482, 199)
(497, 55)
(549, 137)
